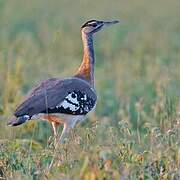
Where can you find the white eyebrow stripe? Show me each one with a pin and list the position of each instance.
(91, 23)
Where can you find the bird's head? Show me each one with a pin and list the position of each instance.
(93, 26)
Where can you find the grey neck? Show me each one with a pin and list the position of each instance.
(88, 46)
(86, 70)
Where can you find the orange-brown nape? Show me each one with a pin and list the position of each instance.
(84, 70)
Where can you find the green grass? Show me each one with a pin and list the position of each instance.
(134, 131)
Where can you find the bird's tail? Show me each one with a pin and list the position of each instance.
(16, 121)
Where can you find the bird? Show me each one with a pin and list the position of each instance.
(64, 101)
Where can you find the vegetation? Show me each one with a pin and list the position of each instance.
(134, 131)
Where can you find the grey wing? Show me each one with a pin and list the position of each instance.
(41, 97)
(50, 93)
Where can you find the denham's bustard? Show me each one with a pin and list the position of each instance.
(64, 101)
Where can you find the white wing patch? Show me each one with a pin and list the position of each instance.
(73, 98)
(70, 102)
(65, 104)
(75, 102)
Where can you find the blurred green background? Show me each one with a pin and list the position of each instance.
(137, 74)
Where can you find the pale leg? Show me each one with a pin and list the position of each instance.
(67, 126)
(60, 141)
(65, 131)
(54, 128)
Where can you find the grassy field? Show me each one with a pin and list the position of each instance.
(134, 133)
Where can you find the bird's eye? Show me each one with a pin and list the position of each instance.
(92, 24)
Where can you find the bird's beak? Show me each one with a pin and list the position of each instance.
(109, 23)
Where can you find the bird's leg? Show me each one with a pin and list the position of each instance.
(55, 121)
(64, 133)
(68, 125)
(54, 127)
